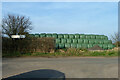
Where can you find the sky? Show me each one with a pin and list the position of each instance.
(67, 17)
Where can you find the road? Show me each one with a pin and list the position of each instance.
(72, 67)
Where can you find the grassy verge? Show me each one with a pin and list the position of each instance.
(65, 53)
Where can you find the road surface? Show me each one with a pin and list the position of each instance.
(72, 67)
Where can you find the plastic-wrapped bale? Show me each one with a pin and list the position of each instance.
(61, 45)
(37, 35)
(98, 37)
(73, 45)
(84, 45)
(87, 36)
(69, 40)
(42, 35)
(71, 36)
(67, 45)
(110, 46)
(102, 36)
(54, 36)
(60, 35)
(105, 37)
(105, 46)
(74, 41)
(101, 41)
(58, 41)
(66, 36)
(93, 37)
(90, 45)
(48, 35)
(31, 35)
(91, 41)
(82, 36)
(80, 40)
(96, 41)
(63, 40)
(107, 42)
(86, 41)
(79, 45)
(77, 36)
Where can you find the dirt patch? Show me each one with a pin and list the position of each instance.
(96, 47)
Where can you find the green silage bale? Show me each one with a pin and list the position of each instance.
(73, 45)
(31, 35)
(82, 36)
(71, 36)
(48, 35)
(102, 36)
(90, 45)
(74, 41)
(91, 41)
(87, 36)
(63, 40)
(37, 35)
(101, 42)
(86, 41)
(69, 40)
(110, 46)
(58, 41)
(96, 41)
(60, 35)
(67, 45)
(107, 41)
(80, 40)
(61, 45)
(92, 36)
(66, 36)
(54, 36)
(84, 45)
(42, 35)
(98, 37)
(105, 37)
(79, 45)
(105, 46)
(77, 36)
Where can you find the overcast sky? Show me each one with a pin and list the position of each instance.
(67, 17)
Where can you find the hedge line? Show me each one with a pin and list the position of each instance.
(28, 45)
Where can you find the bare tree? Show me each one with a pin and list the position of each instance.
(116, 39)
(16, 25)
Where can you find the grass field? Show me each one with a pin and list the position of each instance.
(66, 52)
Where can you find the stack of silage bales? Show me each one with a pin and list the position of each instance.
(78, 40)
